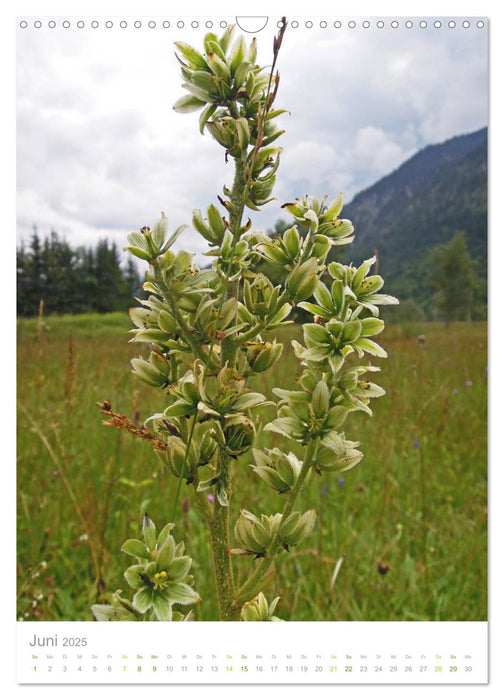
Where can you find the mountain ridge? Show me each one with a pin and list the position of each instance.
(440, 190)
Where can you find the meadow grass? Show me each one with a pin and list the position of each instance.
(401, 537)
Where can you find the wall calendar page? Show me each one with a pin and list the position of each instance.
(252, 350)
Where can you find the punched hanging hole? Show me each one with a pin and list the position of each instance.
(252, 25)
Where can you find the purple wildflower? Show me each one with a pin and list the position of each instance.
(415, 443)
(341, 481)
(210, 497)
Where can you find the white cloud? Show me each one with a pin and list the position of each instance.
(371, 153)
(379, 151)
(101, 152)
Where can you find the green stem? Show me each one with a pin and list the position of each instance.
(219, 535)
(237, 199)
(219, 526)
(253, 585)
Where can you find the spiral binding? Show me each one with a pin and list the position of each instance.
(301, 23)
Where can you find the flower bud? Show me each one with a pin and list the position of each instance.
(256, 296)
(149, 373)
(221, 133)
(216, 224)
(241, 74)
(309, 213)
(243, 133)
(258, 610)
(204, 230)
(303, 279)
(278, 470)
(174, 457)
(297, 528)
(259, 192)
(217, 63)
(157, 235)
(250, 534)
(262, 356)
(348, 381)
(238, 54)
(337, 454)
(166, 322)
(239, 432)
(207, 449)
(320, 400)
(322, 245)
(292, 242)
(252, 51)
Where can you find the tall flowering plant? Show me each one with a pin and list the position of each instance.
(206, 330)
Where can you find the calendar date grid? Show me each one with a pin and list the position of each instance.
(252, 664)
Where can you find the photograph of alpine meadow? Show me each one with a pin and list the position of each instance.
(252, 320)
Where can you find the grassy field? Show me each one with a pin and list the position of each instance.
(405, 531)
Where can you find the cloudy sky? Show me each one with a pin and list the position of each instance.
(101, 151)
